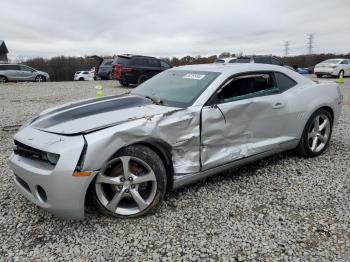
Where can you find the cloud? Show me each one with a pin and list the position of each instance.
(172, 28)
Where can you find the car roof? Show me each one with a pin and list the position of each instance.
(132, 56)
(231, 67)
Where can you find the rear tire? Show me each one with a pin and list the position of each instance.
(81, 79)
(316, 135)
(136, 191)
(3, 79)
(318, 75)
(141, 79)
(125, 84)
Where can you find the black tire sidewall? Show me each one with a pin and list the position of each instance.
(141, 79)
(43, 78)
(154, 161)
(303, 145)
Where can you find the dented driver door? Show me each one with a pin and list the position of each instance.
(241, 128)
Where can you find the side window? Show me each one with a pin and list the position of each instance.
(284, 82)
(247, 86)
(109, 62)
(85, 73)
(3, 68)
(164, 65)
(153, 63)
(344, 62)
(13, 67)
(25, 68)
(141, 62)
(275, 61)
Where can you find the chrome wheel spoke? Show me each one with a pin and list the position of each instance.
(142, 204)
(314, 143)
(323, 125)
(108, 180)
(322, 138)
(125, 161)
(311, 135)
(113, 204)
(145, 178)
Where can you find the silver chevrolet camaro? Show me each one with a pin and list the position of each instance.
(123, 153)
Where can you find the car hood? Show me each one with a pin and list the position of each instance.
(95, 114)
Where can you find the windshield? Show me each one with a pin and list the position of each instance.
(178, 88)
(331, 61)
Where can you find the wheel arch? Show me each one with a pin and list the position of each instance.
(5, 77)
(163, 150)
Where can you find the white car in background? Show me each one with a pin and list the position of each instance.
(333, 67)
(84, 75)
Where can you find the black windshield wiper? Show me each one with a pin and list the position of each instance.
(155, 100)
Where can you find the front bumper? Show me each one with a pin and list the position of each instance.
(64, 194)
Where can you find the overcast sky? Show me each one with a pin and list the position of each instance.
(172, 28)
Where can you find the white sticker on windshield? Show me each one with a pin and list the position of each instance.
(194, 76)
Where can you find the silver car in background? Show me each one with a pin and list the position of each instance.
(16, 72)
(333, 67)
(124, 152)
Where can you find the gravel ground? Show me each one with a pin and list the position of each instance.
(281, 208)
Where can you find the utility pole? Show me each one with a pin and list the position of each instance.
(286, 48)
(310, 42)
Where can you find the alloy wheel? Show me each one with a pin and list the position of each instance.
(319, 133)
(126, 185)
(39, 79)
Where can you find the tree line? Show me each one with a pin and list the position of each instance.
(62, 68)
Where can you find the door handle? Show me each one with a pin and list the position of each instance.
(278, 105)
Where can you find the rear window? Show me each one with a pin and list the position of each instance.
(331, 61)
(121, 60)
(108, 62)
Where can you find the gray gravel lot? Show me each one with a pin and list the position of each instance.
(281, 208)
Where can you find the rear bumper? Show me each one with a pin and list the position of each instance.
(325, 71)
(64, 195)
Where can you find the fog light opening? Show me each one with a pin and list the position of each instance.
(41, 194)
(23, 183)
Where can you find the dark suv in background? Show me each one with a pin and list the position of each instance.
(135, 69)
(105, 69)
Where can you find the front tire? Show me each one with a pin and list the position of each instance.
(316, 135)
(131, 184)
(3, 79)
(340, 72)
(318, 75)
(40, 78)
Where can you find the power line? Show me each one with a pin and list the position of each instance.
(286, 48)
(310, 43)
